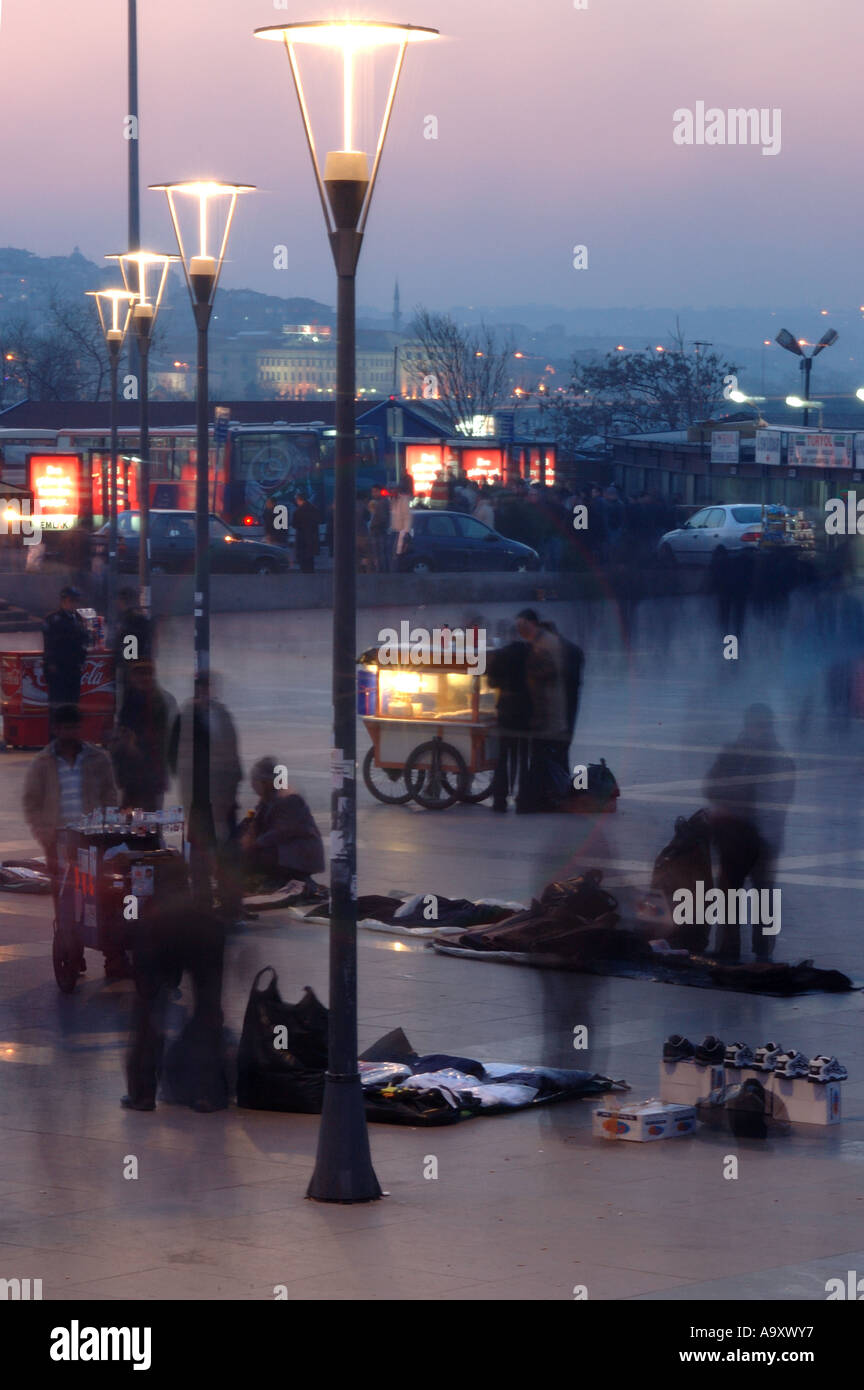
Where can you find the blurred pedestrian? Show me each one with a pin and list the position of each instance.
(140, 744)
(400, 521)
(65, 641)
(379, 530)
(506, 672)
(226, 774)
(750, 786)
(69, 779)
(306, 521)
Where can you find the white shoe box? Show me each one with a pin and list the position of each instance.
(643, 1122)
(806, 1102)
(685, 1083)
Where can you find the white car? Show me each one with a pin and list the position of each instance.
(732, 526)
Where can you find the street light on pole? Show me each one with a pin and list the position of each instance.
(145, 274)
(343, 1167)
(202, 269)
(115, 309)
(795, 345)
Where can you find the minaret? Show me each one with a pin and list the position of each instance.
(397, 313)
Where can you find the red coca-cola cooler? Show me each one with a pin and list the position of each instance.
(25, 698)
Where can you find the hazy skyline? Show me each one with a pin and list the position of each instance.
(555, 130)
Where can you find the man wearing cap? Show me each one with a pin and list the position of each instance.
(65, 642)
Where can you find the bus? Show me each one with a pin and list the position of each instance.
(248, 464)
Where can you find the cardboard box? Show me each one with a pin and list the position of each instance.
(685, 1083)
(807, 1102)
(643, 1122)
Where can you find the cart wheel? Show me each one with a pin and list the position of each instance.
(385, 783)
(66, 959)
(479, 786)
(436, 775)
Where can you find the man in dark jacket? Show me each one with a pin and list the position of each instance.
(306, 520)
(65, 640)
(506, 672)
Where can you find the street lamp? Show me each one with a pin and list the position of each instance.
(202, 270)
(145, 275)
(343, 1167)
(115, 308)
(786, 340)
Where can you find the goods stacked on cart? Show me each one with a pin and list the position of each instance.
(113, 820)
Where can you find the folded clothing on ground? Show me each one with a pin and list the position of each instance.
(282, 1059)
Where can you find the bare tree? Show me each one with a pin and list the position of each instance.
(468, 367)
(633, 392)
(58, 356)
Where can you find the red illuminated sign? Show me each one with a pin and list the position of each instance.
(55, 481)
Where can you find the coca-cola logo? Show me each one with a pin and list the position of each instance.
(96, 674)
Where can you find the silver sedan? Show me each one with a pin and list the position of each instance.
(725, 528)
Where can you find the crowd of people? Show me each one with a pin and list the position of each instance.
(613, 528)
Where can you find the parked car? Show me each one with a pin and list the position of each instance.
(728, 527)
(172, 546)
(441, 540)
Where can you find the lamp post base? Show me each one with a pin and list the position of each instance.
(343, 1164)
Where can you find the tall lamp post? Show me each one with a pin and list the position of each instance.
(343, 1167)
(115, 308)
(202, 270)
(786, 340)
(145, 274)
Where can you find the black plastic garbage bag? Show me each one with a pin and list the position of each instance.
(282, 1070)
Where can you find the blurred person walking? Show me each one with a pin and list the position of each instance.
(65, 642)
(750, 786)
(400, 521)
(141, 740)
(379, 530)
(226, 774)
(67, 780)
(305, 520)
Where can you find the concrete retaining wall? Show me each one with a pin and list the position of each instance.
(172, 595)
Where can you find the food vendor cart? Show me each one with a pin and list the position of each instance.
(104, 858)
(433, 733)
(26, 714)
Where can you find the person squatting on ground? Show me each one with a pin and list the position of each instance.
(68, 780)
(65, 642)
(280, 841)
(749, 786)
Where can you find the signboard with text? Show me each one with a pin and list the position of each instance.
(724, 446)
(768, 447)
(820, 450)
(55, 481)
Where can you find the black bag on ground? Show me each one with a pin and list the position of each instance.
(682, 863)
(271, 1076)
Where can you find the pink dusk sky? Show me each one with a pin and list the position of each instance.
(555, 129)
